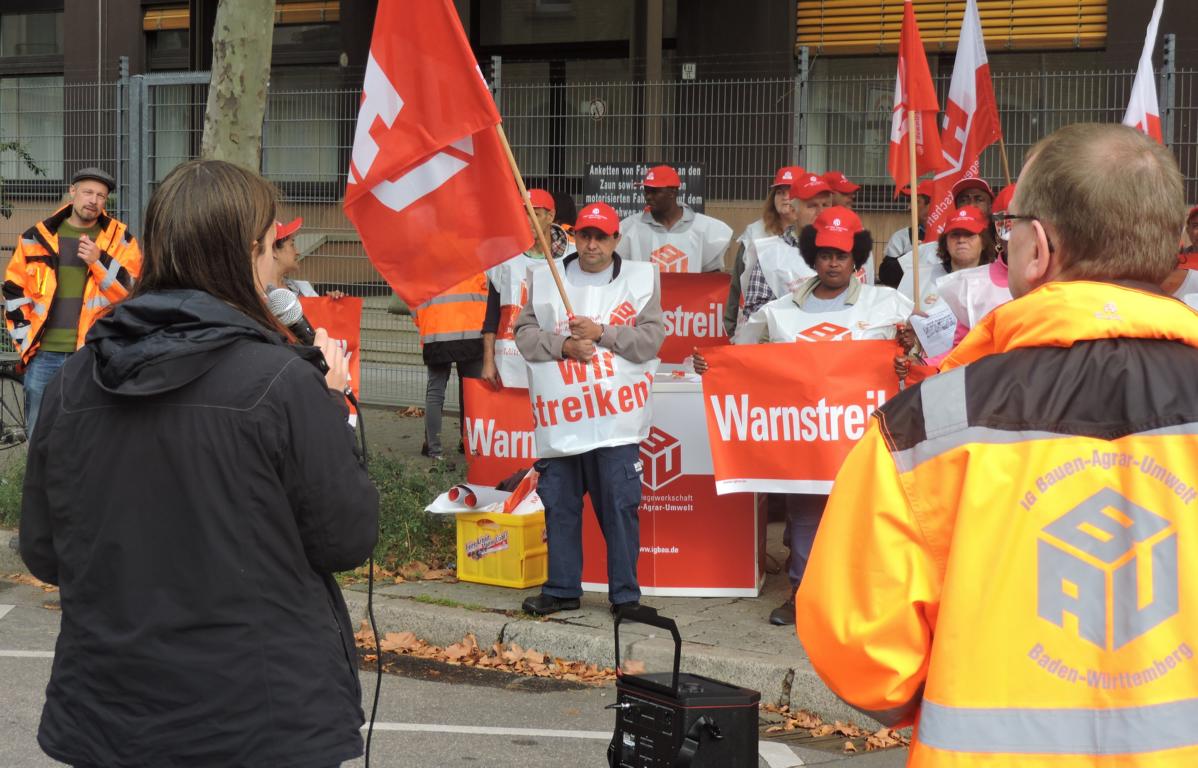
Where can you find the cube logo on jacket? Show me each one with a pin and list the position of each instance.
(624, 314)
(670, 259)
(823, 332)
(1088, 563)
(661, 454)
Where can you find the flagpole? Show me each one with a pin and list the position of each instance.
(1006, 168)
(915, 241)
(536, 225)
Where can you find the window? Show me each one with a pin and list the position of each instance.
(846, 27)
(309, 116)
(31, 110)
(31, 34)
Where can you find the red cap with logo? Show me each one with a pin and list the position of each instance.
(807, 187)
(840, 183)
(1003, 200)
(967, 218)
(601, 216)
(662, 176)
(288, 229)
(542, 199)
(835, 227)
(787, 174)
(973, 182)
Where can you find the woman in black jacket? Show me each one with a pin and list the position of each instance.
(191, 488)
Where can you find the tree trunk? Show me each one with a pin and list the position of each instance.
(241, 43)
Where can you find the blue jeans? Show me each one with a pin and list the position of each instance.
(612, 477)
(38, 373)
(803, 513)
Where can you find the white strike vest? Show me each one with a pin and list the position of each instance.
(510, 280)
(782, 265)
(971, 294)
(877, 311)
(695, 246)
(606, 401)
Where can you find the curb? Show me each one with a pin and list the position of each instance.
(779, 681)
(10, 559)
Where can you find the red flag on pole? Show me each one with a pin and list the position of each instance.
(1144, 111)
(430, 190)
(970, 119)
(913, 90)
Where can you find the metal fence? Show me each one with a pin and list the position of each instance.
(740, 131)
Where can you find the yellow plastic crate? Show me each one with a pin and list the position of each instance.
(504, 550)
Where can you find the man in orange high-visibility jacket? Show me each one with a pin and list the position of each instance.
(450, 327)
(1009, 558)
(65, 272)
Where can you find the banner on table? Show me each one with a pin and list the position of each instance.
(693, 311)
(342, 318)
(783, 417)
(499, 432)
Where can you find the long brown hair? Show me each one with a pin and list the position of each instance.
(200, 229)
(774, 223)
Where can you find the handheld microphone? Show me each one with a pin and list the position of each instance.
(285, 306)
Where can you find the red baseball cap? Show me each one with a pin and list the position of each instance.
(1003, 200)
(787, 174)
(973, 182)
(288, 229)
(968, 218)
(662, 176)
(840, 183)
(601, 216)
(807, 187)
(835, 227)
(542, 199)
(924, 188)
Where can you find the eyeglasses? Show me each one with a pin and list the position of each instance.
(1004, 222)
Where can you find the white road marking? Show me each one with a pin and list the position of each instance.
(26, 654)
(778, 755)
(4, 609)
(775, 754)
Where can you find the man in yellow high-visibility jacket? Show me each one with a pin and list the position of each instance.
(1009, 558)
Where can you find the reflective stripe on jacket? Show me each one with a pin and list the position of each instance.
(1009, 558)
(32, 279)
(456, 314)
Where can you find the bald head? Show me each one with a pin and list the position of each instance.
(1112, 197)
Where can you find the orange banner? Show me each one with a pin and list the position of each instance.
(342, 318)
(693, 310)
(783, 417)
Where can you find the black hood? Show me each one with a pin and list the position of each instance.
(162, 341)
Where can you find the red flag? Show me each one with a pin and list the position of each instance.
(970, 119)
(1143, 110)
(430, 190)
(913, 89)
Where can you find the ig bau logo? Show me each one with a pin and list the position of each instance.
(1089, 567)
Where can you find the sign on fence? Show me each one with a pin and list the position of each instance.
(619, 185)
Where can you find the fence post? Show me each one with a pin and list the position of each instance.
(135, 90)
(798, 150)
(496, 80)
(122, 88)
(1168, 88)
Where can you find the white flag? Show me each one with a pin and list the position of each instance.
(1144, 111)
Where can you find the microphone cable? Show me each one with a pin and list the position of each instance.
(378, 653)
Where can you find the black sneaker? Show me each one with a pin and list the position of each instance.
(784, 615)
(543, 604)
(617, 607)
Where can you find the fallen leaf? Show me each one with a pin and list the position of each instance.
(633, 667)
(850, 746)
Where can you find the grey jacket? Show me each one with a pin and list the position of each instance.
(636, 343)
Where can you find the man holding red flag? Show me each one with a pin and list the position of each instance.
(970, 121)
(430, 189)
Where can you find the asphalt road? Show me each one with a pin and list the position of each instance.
(430, 716)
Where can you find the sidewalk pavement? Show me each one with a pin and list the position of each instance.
(725, 638)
